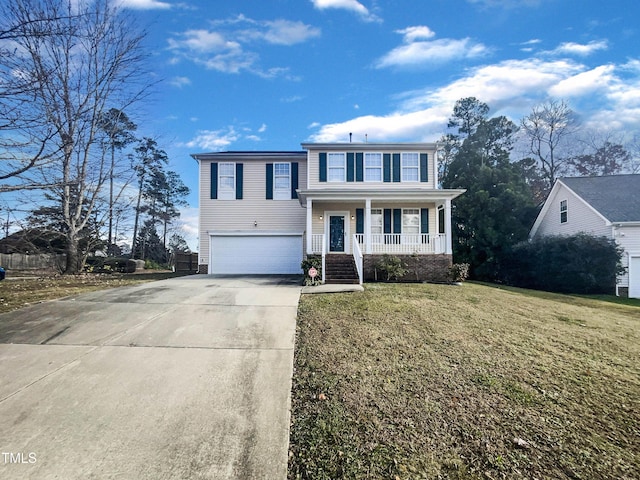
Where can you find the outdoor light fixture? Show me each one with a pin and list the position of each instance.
(352, 217)
(320, 217)
(255, 223)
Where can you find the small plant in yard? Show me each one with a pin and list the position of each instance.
(392, 267)
(314, 261)
(459, 272)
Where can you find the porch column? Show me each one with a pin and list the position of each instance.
(367, 226)
(309, 226)
(447, 226)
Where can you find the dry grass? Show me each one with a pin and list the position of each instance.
(435, 381)
(18, 292)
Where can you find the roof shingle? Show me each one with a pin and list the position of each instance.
(616, 197)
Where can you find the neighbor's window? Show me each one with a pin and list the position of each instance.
(226, 181)
(336, 166)
(410, 167)
(563, 211)
(282, 181)
(411, 221)
(372, 167)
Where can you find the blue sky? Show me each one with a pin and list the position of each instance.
(268, 75)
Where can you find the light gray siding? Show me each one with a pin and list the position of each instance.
(254, 208)
(629, 239)
(580, 217)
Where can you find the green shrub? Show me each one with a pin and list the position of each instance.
(312, 261)
(579, 263)
(392, 267)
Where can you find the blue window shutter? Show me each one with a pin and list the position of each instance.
(424, 168)
(323, 166)
(214, 180)
(359, 220)
(386, 167)
(294, 180)
(359, 167)
(269, 181)
(350, 167)
(387, 220)
(396, 167)
(424, 220)
(397, 220)
(239, 181)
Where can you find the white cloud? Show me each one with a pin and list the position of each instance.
(507, 3)
(263, 128)
(144, 4)
(213, 140)
(226, 47)
(432, 52)
(510, 87)
(180, 81)
(285, 32)
(411, 34)
(585, 83)
(583, 50)
(350, 5)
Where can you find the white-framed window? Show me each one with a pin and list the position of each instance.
(411, 221)
(563, 211)
(372, 167)
(336, 167)
(376, 221)
(410, 167)
(226, 181)
(282, 181)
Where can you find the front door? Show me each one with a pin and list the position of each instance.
(336, 233)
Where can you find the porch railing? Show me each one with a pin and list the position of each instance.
(357, 256)
(392, 243)
(402, 243)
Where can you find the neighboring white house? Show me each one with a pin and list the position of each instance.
(262, 212)
(604, 206)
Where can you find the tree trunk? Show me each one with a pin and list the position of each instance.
(73, 256)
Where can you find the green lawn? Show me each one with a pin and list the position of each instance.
(438, 381)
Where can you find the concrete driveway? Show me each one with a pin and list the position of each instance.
(185, 378)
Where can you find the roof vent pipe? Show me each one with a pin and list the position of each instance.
(350, 137)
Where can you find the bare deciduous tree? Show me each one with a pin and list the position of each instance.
(549, 130)
(88, 60)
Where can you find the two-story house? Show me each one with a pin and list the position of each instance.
(606, 206)
(262, 212)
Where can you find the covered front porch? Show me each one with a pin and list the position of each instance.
(373, 223)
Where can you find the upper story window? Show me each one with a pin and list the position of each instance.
(226, 181)
(373, 167)
(282, 181)
(563, 211)
(337, 167)
(410, 167)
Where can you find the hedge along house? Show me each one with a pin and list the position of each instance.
(350, 203)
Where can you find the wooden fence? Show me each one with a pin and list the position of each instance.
(40, 261)
(186, 262)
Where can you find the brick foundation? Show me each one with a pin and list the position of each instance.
(203, 268)
(422, 268)
(623, 292)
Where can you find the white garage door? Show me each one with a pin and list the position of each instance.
(255, 254)
(634, 277)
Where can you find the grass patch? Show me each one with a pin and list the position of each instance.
(16, 293)
(435, 381)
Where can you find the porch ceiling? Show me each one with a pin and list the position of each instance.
(388, 195)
